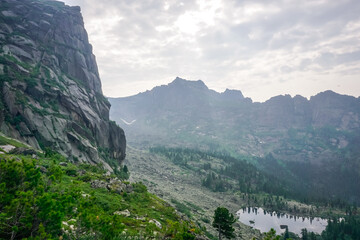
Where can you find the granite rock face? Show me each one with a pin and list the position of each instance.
(50, 87)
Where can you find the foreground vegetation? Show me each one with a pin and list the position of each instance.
(44, 196)
(48, 197)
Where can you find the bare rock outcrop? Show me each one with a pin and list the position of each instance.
(50, 87)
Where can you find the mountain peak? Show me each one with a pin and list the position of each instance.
(328, 94)
(188, 83)
(233, 94)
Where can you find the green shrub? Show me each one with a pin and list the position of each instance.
(139, 187)
(85, 178)
(35, 204)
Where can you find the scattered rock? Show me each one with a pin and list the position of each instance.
(116, 186)
(42, 169)
(7, 148)
(72, 220)
(200, 237)
(85, 195)
(112, 184)
(23, 151)
(69, 226)
(8, 14)
(129, 188)
(236, 224)
(125, 213)
(64, 164)
(141, 219)
(81, 172)
(98, 184)
(157, 223)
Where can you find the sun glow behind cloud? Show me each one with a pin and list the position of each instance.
(191, 22)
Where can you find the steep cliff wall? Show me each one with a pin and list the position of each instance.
(49, 82)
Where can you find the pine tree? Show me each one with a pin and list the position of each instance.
(271, 235)
(223, 221)
(286, 234)
(304, 234)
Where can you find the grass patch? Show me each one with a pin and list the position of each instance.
(193, 206)
(182, 207)
(9, 141)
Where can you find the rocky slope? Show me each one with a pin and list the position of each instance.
(49, 82)
(181, 186)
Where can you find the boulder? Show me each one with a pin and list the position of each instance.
(98, 184)
(7, 148)
(157, 223)
(125, 213)
(23, 151)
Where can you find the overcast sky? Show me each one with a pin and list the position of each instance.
(263, 48)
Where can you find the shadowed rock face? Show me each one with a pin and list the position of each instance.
(50, 87)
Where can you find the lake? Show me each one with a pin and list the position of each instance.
(264, 221)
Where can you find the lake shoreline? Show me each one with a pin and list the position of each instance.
(263, 220)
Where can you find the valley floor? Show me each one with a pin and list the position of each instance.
(182, 188)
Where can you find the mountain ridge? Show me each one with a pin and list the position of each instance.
(290, 136)
(227, 91)
(185, 90)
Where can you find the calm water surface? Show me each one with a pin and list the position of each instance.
(264, 221)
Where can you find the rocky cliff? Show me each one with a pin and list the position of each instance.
(50, 88)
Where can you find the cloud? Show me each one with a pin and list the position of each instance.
(286, 44)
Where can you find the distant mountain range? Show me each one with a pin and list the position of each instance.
(189, 112)
(322, 133)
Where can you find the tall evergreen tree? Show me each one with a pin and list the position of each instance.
(223, 221)
(286, 234)
(304, 234)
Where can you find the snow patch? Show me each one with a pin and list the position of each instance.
(128, 123)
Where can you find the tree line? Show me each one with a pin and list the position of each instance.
(261, 175)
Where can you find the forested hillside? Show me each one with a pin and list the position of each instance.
(220, 172)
